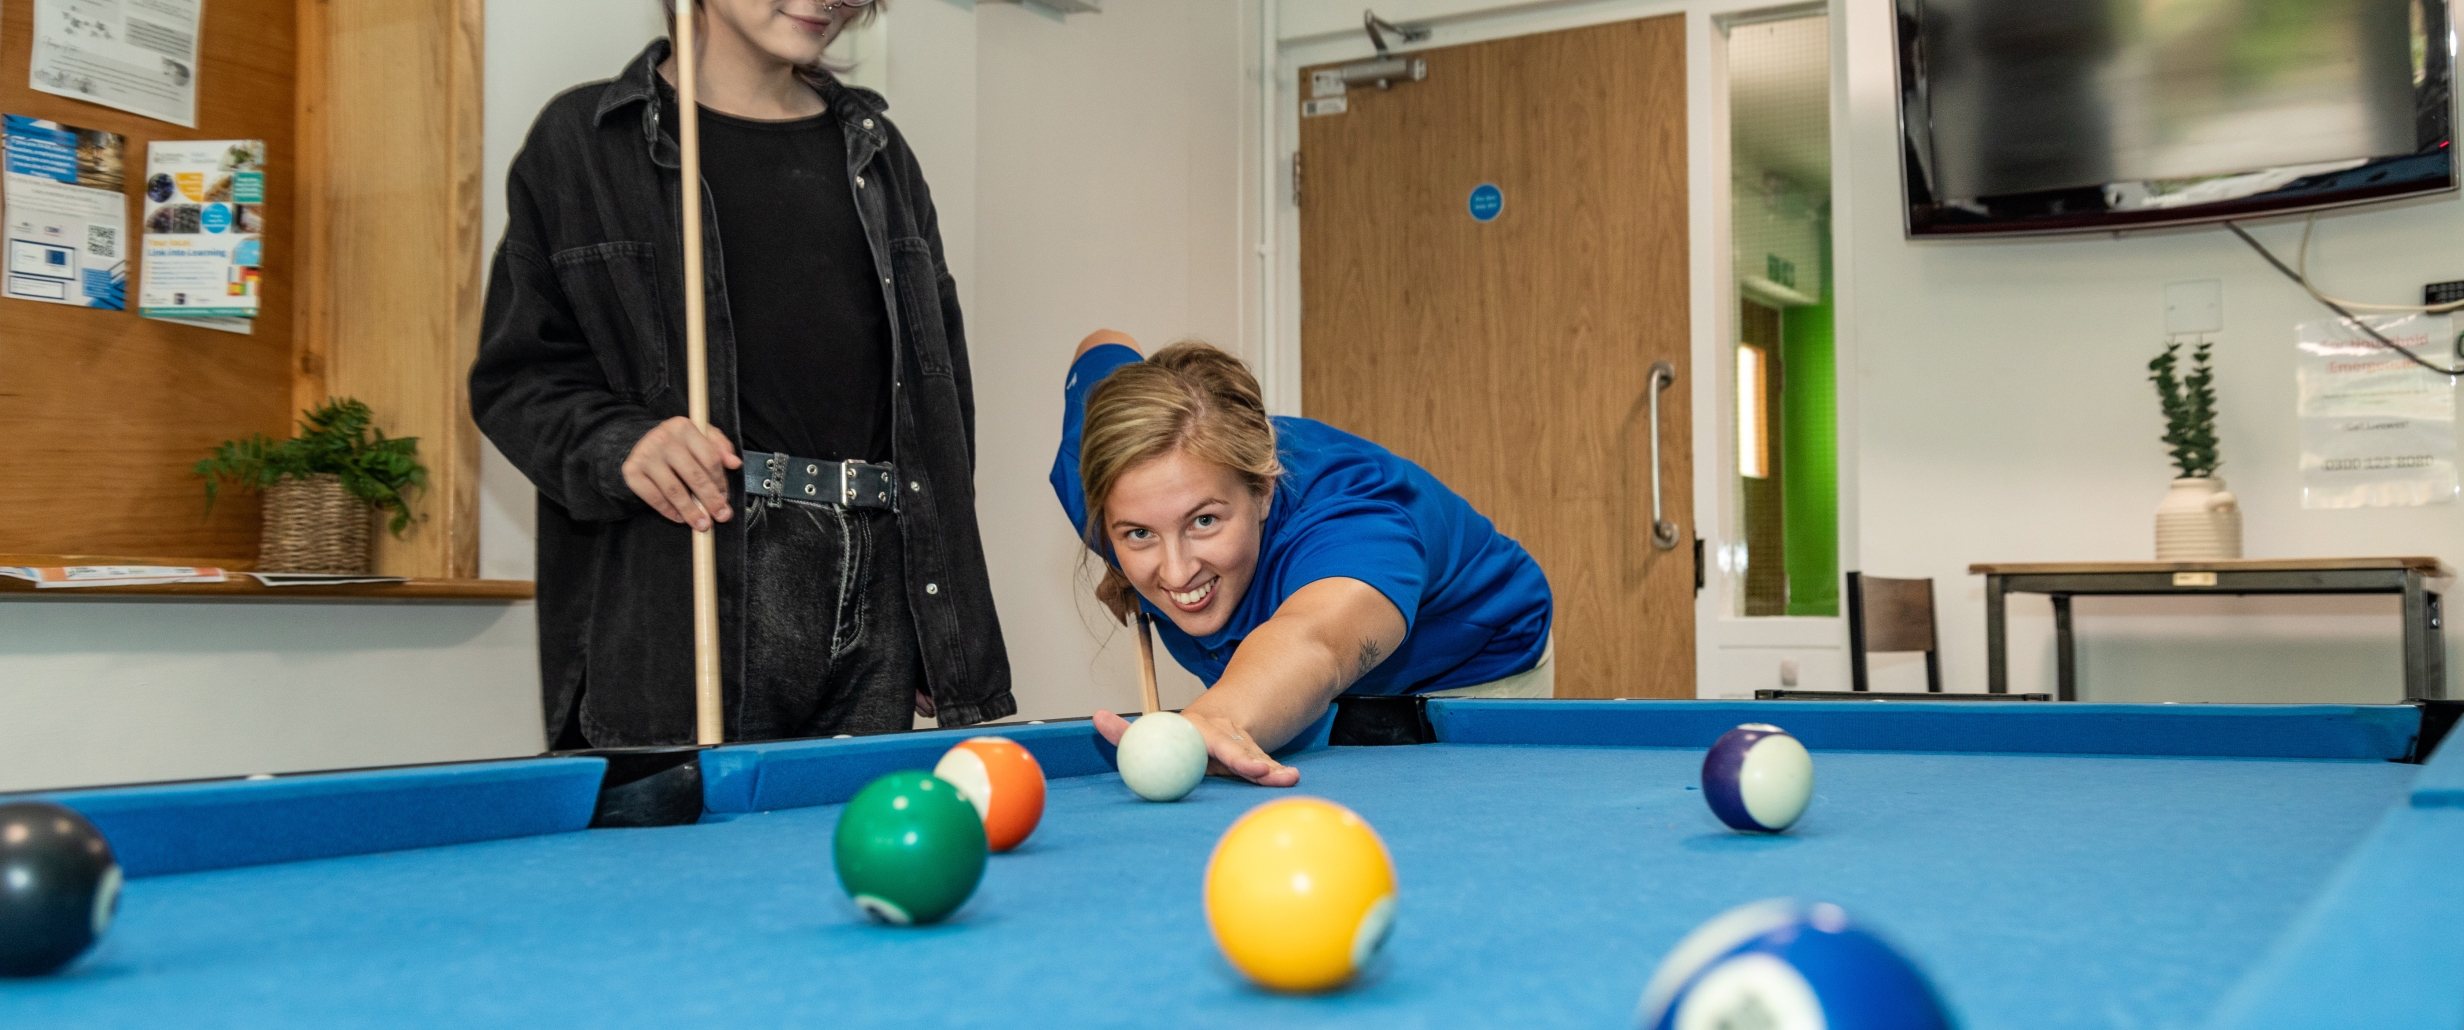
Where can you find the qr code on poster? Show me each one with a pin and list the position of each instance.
(102, 240)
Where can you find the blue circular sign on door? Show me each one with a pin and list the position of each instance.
(1486, 201)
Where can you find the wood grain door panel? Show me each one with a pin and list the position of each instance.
(1513, 358)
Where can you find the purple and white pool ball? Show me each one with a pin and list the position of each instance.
(1758, 778)
(1786, 965)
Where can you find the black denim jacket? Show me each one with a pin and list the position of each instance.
(582, 352)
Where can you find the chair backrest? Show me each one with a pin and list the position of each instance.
(1887, 615)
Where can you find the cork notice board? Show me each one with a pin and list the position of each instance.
(370, 110)
(103, 411)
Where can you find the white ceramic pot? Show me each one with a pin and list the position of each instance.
(2198, 521)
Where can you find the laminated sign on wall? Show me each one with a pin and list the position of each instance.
(2377, 431)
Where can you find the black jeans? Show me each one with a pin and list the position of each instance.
(830, 646)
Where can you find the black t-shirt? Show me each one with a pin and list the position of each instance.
(812, 331)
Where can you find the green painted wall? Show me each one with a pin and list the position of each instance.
(1809, 438)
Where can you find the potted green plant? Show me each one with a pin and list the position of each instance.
(2198, 520)
(321, 486)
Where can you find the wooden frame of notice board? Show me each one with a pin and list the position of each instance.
(370, 110)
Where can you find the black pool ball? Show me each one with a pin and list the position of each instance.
(59, 887)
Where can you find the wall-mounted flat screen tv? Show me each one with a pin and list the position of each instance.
(2062, 116)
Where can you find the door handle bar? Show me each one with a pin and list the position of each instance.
(1663, 532)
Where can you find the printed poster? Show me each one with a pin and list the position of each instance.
(2377, 431)
(134, 55)
(64, 206)
(204, 221)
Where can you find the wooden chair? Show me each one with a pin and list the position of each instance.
(1892, 615)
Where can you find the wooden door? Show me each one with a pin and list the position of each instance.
(1512, 357)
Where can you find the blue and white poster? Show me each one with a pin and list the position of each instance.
(66, 214)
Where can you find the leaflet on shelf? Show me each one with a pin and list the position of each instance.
(49, 576)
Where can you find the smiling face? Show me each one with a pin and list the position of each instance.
(1186, 533)
(793, 32)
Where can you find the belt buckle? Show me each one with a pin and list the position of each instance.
(858, 478)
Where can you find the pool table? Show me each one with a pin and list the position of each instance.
(2048, 865)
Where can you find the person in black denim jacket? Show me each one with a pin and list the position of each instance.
(834, 617)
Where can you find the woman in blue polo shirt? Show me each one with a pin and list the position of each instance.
(1288, 561)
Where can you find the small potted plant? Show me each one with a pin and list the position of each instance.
(2198, 520)
(321, 486)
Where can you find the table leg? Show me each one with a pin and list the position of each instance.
(2425, 652)
(2065, 657)
(1997, 664)
(2437, 646)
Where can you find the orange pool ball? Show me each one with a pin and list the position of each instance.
(1004, 782)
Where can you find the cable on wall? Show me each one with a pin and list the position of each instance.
(2339, 308)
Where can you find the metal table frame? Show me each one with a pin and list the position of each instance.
(2425, 656)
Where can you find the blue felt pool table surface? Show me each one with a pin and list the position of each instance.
(1539, 886)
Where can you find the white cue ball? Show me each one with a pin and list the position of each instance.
(1163, 756)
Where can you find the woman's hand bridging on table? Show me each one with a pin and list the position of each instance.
(1229, 750)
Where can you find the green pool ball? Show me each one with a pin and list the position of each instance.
(910, 848)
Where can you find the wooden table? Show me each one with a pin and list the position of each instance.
(2425, 661)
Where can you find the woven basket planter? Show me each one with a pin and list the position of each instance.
(314, 525)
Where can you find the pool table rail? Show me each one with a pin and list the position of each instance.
(158, 829)
(2384, 732)
(2382, 943)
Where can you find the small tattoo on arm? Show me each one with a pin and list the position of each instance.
(1370, 655)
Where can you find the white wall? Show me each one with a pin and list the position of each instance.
(121, 692)
(1111, 194)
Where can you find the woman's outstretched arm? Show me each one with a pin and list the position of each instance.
(1321, 639)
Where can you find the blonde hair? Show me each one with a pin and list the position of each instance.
(1189, 398)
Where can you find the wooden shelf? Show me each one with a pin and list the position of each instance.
(243, 588)
(2429, 566)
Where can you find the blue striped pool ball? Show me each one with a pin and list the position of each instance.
(1785, 965)
(1758, 778)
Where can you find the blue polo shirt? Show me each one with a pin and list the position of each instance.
(1475, 605)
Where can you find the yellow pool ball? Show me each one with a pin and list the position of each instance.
(1300, 894)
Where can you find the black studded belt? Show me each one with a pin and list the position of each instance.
(847, 484)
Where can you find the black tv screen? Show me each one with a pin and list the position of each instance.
(2059, 116)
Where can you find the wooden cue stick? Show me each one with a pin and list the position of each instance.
(709, 718)
(1146, 666)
